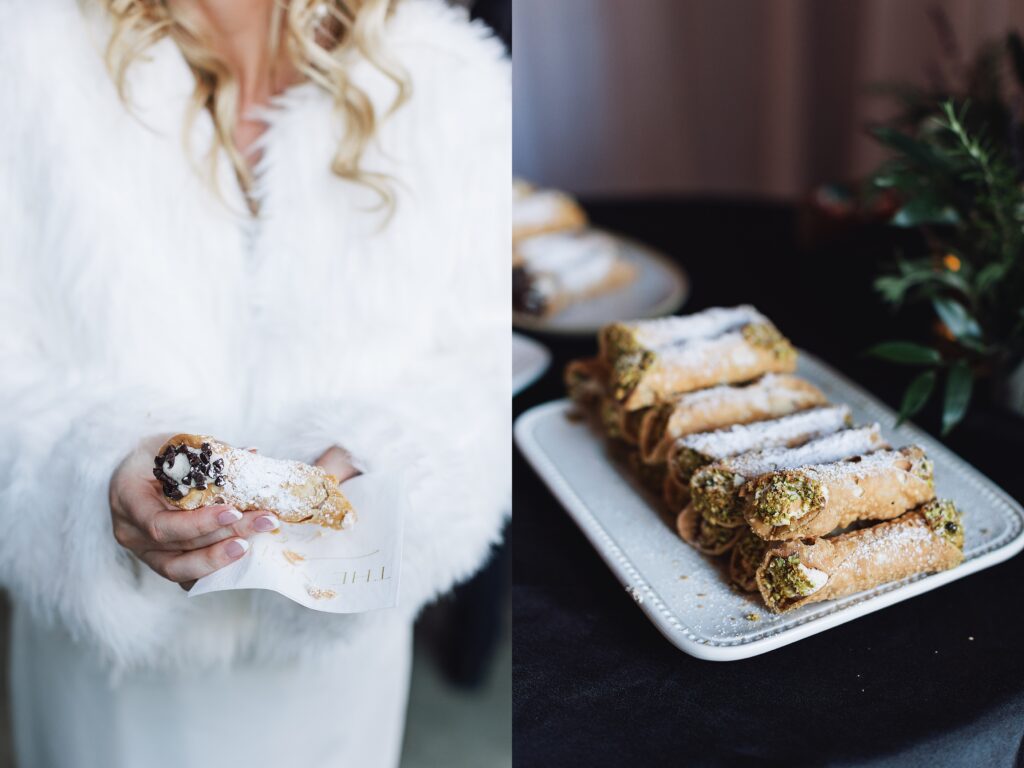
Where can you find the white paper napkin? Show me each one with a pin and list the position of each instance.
(348, 571)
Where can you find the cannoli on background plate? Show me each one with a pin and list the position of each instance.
(691, 452)
(540, 211)
(552, 271)
(715, 488)
(813, 500)
(704, 535)
(768, 397)
(652, 377)
(195, 470)
(925, 540)
(746, 557)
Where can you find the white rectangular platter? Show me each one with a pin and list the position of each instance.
(686, 594)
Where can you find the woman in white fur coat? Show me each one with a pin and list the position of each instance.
(331, 285)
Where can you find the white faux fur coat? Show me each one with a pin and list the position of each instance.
(134, 301)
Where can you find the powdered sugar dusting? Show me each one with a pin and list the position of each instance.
(874, 463)
(668, 331)
(841, 445)
(761, 435)
(263, 481)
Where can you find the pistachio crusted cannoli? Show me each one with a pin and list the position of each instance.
(626, 338)
(715, 488)
(924, 540)
(746, 557)
(586, 380)
(651, 476)
(195, 470)
(704, 535)
(691, 452)
(651, 377)
(619, 423)
(813, 500)
(771, 396)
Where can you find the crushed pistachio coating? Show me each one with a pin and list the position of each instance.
(750, 549)
(620, 340)
(628, 371)
(944, 519)
(714, 491)
(924, 469)
(711, 536)
(783, 496)
(686, 462)
(610, 420)
(767, 336)
(785, 581)
(651, 476)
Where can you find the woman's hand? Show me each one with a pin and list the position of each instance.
(180, 545)
(338, 463)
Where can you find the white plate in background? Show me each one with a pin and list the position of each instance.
(529, 361)
(659, 288)
(701, 614)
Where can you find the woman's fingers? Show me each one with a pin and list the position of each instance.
(188, 566)
(259, 521)
(167, 529)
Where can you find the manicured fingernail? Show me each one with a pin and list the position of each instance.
(236, 548)
(265, 523)
(229, 516)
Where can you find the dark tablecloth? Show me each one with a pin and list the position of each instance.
(937, 680)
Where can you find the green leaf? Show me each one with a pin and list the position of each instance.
(916, 396)
(922, 210)
(917, 151)
(956, 317)
(990, 275)
(905, 353)
(959, 383)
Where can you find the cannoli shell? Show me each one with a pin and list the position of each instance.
(781, 396)
(586, 380)
(688, 524)
(865, 558)
(882, 492)
(660, 375)
(676, 494)
(745, 558)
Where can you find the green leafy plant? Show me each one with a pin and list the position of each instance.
(958, 170)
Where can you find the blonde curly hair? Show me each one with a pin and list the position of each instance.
(317, 37)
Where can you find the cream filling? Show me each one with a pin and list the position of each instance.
(536, 209)
(817, 578)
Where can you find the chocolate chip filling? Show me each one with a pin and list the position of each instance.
(202, 470)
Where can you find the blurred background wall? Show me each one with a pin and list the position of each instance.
(760, 98)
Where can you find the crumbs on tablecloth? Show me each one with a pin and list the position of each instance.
(753, 617)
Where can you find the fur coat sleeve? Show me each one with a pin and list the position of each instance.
(407, 364)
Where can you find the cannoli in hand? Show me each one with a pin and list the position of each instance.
(196, 471)
(925, 540)
(715, 488)
(709, 409)
(651, 377)
(704, 535)
(813, 500)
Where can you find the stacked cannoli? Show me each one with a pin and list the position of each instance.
(556, 259)
(755, 464)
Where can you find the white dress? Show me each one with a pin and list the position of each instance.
(135, 299)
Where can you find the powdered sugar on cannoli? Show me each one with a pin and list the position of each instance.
(841, 445)
(572, 261)
(742, 438)
(668, 331)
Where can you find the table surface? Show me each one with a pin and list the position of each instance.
(937, 680)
